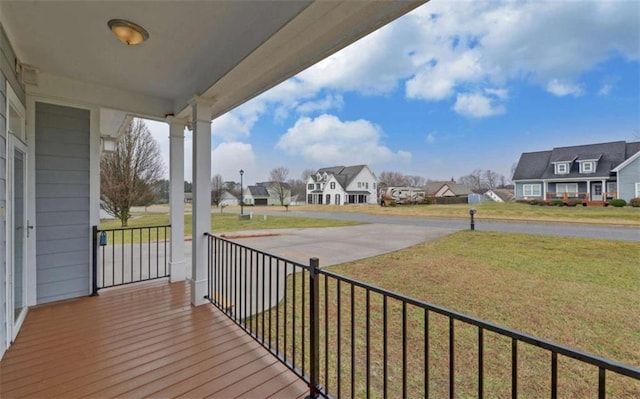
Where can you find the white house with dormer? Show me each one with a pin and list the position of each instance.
(339, 185)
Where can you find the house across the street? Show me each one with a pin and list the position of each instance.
(447, 192)
(592, 173)
(228, 199)
(267, 193)
(340, 185)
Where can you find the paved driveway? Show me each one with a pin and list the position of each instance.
(334, 245)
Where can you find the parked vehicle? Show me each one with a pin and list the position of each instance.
(393, 196)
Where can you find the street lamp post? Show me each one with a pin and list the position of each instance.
(241, 194)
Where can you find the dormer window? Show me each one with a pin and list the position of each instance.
(562, 168)
(588, 166)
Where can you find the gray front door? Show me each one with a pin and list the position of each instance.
(596, 191)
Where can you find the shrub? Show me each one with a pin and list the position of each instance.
(618, 203)
(427, 201)
(557, 202)
(574, 202)
(533, 202)
(635, 202)
(522, 201)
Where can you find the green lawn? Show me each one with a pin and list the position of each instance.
(577, 292)
(497, 211)
(220, 222)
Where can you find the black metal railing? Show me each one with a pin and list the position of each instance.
(129, 255)
(349, 339)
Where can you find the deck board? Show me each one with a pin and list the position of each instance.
(142, 341)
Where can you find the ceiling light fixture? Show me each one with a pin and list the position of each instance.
(128, 32)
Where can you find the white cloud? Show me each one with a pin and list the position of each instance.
(431, 138)
(605, 90)
(477, 106)
(322, 105)
(501, 94)
(328, 140)
(445, 48)
(238, 123)
(561, 89)
(228, 158)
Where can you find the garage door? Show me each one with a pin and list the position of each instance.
(261, 201)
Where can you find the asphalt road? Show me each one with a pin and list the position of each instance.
(554, 229)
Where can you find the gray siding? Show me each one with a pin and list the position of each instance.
(62, 202)
(627, 179)
(3, 207)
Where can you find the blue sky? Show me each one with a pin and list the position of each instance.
(451, 87)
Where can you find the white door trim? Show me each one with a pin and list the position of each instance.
(594, 196)
(14, 323)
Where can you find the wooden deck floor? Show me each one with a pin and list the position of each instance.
(144, 341)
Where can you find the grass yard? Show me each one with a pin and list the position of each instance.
(220, 222)
(576, 292)
(497, 211)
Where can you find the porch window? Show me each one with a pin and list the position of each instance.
(531, 190)
(569, 188)
(562, 168)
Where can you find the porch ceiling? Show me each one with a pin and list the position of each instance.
(229, 51)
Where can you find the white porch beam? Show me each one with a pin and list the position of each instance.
(59, 88)
(201, 207)
(176, 198)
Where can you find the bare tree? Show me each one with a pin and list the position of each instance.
(277, 184)
(491, 179)
(129, 174)
(233, 188)
(217, 188)
(392, 179)
(473, 180)
(298, 187)
(415, 181)
(306, 174)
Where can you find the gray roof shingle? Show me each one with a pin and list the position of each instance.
(258, 191)
(343, 174)
(532, 165)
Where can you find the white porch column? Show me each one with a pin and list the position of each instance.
(201, 111)
(176, 198)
